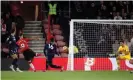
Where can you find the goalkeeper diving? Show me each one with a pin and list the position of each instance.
(75, 49)
(123, 53)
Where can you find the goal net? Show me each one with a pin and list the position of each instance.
(95, 40)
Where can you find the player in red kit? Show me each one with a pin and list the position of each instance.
(27, 52)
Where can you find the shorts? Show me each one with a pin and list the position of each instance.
(29, 54)
(13, 51)
(126, 57)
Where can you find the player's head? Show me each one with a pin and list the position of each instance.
(121, 43)
(21, 35)
(13, 31)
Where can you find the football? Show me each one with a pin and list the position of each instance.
(65, 49)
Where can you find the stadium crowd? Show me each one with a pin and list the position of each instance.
(102, 10)
(11, 16)
(107, 37)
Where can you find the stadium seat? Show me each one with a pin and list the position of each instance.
(56, 27)
(21, 56)
(60, 43)
(45, 26)
(57, 32)
(64, 55)
(46, 30)
(6, 50)
(59, 37)
(61, 49)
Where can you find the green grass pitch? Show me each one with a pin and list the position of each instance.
(66, 75)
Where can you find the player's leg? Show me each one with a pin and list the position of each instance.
(47, 64)
(13, 53)
(29, 56)
(50, 58)
(31, 65)
(14, 62)
(118, 62)
(118, 58)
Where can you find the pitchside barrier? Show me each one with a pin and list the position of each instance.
(84, 64)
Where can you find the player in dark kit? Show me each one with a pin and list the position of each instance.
(13, 50)
(49, 52)
(27, 52)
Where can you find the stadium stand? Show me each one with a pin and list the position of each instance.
(78, 10)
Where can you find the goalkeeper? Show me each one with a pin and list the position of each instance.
(123, 53)
(75, 49)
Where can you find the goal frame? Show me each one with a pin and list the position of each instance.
(71, 52)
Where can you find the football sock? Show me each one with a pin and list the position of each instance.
(15, 62)
(118, 62)
(32, 66)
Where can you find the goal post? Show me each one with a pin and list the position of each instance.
(96, 38)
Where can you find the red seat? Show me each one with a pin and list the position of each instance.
(60, 43)
(56, 26)
(46, 30)
(6, 50)
(59, 37)
(64, 54)
(45, 26)
(57, 32)
(61, 49)
(21, 56)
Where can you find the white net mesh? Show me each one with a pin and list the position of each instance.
(98, 38)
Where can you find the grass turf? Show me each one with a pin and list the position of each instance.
(76, 75)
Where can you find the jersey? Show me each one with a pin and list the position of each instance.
(123, 50)
(50, 49)
(23, 44)
(13, 47)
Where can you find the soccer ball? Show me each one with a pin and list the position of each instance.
(65, 49)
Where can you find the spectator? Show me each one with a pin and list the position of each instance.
(122, 12)
(8, 22)
(99, 15)
(112, 13)
(131, 15)
(125, 16)
(3, 27)
(119, 5)
(114, 9)
(19, 22)
(93, 11)
(110, 6)
(128, 43)
(19, 25)
(104, 12)
(118, 17)
(115, 46)
(4, 32)
(53, 12)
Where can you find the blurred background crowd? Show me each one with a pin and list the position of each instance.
(13, 15)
